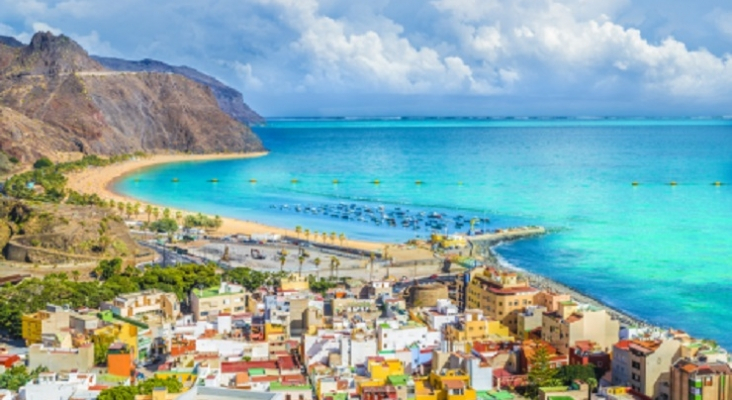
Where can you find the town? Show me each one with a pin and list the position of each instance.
(482, 334)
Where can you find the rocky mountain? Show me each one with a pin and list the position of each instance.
(10, 41)
(230, 100)
(55, 98)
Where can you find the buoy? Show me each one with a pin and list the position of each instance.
(717, 183)
(252, 181)
(175, 179)
(418, 182)
(294, 181)
(460, 183)
(376, 182)
(137, 179)
(214, 180)
(335, 181)
(635, 183)
(673, 183)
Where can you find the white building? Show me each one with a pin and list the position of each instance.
(50, 385)
(394, 335)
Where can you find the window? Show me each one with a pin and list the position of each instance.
(635, 364)
(204, 313)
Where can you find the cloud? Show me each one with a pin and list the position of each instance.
(244, 71)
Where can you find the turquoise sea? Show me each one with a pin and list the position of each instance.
(660, 252)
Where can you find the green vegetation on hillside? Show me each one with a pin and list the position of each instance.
(16, 377)
(201, 221)
(145, 387)
(47, 183)
(33, 294)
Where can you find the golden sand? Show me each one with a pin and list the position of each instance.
(99, 180)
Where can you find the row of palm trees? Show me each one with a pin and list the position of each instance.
(130, 209)
(341, 237)
(335, 263)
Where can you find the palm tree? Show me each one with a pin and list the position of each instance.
(148, 211)
(385, 256)
(166, 213)
(121, 207)
(300, 260)
(298, 231)
(283, 258)
(112, 204)
(342, 238)
(128, 210)
(317, 267)
(218, 221)
(324, 236)
(156, 212)
(332, 237)
(307, 234)
(334, 264)
(178, 217)
(136, 209)
(315, 235)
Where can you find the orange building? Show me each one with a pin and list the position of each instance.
(119, 360)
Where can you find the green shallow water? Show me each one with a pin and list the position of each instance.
(659, 252)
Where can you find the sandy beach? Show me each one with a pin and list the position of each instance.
(99, 180)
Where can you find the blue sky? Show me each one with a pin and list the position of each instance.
(417, 57)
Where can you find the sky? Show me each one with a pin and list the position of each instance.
(421, 57)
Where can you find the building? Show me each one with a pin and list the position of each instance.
(58, 359)
(227, 298)
(529, 320)
(573, 322)
(393, 335)
(645, 365)
(138, 304)
(550, 300)
(500, 294)
(701, 380)
(50, 385)
(472, 326)
(586, 352)
(54, 319)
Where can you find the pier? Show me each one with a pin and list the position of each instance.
(507, 234)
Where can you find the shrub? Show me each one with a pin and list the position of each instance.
(42, 162)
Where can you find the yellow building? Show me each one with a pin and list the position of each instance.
(380, 371)
(294, 283)
(449, 241)
(53, 319)
(226, 298)
(275, 333)
(475, 326)
(500, 294)
(121, 332)
(452, 385)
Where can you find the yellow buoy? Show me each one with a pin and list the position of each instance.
(174, 179)
(418, 182)
(635, 183)
(294, 181)
(252, 181)
(673, 183)
(717, 183)
(376, 182)
(460, 183)
(214, 180)
(335, 181)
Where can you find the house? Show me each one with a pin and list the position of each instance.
(227, 298)
(573, 322)
(53, 319)
(645, 365)
(700, 380)
(139, 304)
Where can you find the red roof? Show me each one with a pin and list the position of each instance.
(453, 384)
(265, 378)
(98, 387)
(244, 366)
(293, 379)
(623, 344)
(286, 362)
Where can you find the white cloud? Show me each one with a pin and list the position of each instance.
(93, 44)
(44, 27)
(245, 74)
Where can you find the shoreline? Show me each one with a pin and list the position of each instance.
(545, 283)
(101, 180)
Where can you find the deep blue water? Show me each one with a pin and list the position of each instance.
(660, 252)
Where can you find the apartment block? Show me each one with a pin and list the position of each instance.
(54, 319)
(138, 304)
(701, 380)
(227, 298)
(573, 322)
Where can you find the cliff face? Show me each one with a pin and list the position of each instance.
(10, 41)
(230, 100)
(54, 97)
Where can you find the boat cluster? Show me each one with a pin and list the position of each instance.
(389, 217)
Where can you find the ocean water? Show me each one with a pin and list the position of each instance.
(660, 252)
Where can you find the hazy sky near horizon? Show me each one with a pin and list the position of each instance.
(416, 57)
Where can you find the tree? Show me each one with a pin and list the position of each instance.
(570, 373)
(249, 278)
(300, 260)
(164, 225)
(178, 217)
(16, 377)
(172, 384)
(121, 207)
(108, 268)
(283, 259)
(136, 209)
(148, 211)
(218, 222)
(156, 212)
(119, 393)
(226, 257)
(334, 264)
(541, 372)
(342, 238)
(128, 210)
(42, 162)
(298, 231)
(307, 234)
(317, 266)
(324, 236)
(372, 257)
(333, 237)
(101, 348)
